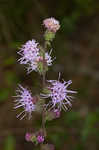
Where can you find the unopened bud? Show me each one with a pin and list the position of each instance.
(49, 36)
(28, 137)
(50, 115)
(51, 24)
(40, 139)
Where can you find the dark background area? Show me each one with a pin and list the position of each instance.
(76, 48)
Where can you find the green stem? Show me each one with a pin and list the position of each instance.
(44, 80)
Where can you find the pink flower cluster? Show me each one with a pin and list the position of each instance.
(51, 24)
(34, 138)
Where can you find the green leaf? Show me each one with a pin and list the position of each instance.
(11, 78)
(71, 117)
(89, 126)
(4, 93)
(9, 61)
(9, 143)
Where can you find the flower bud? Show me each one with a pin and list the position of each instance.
(49, 36)
(28, 137)
(36, 138)
(51, 24)
(46, 90)
(56, 113)
(31, 137)
(40, 139)
(50, 115)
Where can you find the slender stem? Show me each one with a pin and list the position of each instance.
(44, 78)
(44, 73)
(43, 122)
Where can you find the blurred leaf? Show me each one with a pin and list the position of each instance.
(86, 7)
(71, 117)
(89, 126)
(11, 78)
(9, 61)
(4, 93)
(68, 25)
(16, 45)
(47, 147)
(9, 143)
(69, 22)
(58, 138)
(78, 147)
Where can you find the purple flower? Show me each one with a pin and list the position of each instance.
(40, 139)
(34, 65)
(30, 55)
(59, 95)
(29, 52)
(28, 136)
(25, 100)
(48, 58)
(51, 24)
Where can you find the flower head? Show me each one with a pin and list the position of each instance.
(59, 94)
(35, 64)
(36, 137)
(31, 56)
(28, 136)
(40, 138)
(25, 100)
(51, 24)
(29, 52)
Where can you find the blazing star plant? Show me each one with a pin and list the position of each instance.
(54, 96)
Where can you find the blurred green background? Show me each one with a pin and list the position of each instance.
(76, 48)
